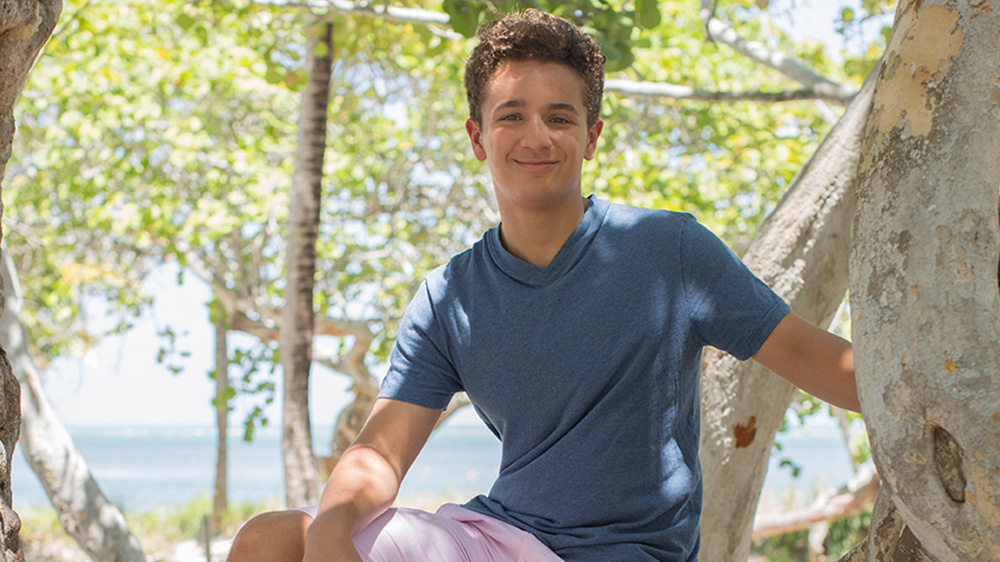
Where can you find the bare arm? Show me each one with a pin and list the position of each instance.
(365, 481)
(812, 359)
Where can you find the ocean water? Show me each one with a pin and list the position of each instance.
(143, 468)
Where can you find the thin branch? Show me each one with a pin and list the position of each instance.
(673, 91)
(397, 14)
(393, 13)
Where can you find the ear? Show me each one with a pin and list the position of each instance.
(476, 136)
(592, 135)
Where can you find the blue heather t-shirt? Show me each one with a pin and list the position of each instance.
(587, 371)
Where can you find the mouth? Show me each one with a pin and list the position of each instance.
(536, 165)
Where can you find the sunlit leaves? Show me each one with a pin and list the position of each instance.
(137, 145)
(726, 163)
(464, 16)
(617, 25)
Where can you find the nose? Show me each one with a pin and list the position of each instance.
(536, 135)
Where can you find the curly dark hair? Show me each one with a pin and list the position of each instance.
(534, 35)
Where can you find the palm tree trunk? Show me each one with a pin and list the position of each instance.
(301, 474)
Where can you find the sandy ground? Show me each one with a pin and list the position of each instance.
(63, 549)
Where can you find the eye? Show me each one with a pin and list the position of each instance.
(510, 117)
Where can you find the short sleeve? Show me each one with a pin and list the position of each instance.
(730, 308)
(420, 371)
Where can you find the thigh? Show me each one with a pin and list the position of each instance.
(410, 535)
(271, 537)
(453, 534)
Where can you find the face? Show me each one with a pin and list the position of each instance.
(534, 134)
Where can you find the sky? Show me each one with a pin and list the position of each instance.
(119, 382)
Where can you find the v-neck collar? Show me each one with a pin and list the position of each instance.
(569, 254)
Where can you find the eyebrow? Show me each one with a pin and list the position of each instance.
(555, 106)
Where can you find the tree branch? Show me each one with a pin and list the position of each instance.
(817, 87)
(722, 32)
(458, 402)
(672, 91)
(381, 10)
(859, 493)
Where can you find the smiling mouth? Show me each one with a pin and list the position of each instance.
(539, 164)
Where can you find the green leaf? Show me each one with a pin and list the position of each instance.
(647, 13)
(463, 16)
(185, 21)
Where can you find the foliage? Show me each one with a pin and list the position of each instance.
(616, 25)
(155, 528)
(134, 148)
(186, 521)
(399, 199)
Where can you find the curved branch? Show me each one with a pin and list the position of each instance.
(840, 96)
(858, 494)
(84, 512)
(722, 32)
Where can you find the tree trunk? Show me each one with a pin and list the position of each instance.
(25, 25)
(924, 286)
(301, 475)
(801, 252)
(365, 387)
(889, 539)
(223, 391)
(84, 512)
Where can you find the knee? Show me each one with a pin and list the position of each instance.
(273, 536)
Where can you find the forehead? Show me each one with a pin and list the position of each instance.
(534, 81)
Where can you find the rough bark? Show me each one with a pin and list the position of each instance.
(301, 475)
(96, 524)
(220, 501)
(801, 252)
(889, 539)
(924, 294)
(25, 25)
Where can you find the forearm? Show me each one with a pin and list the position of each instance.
(812, 359)
(362, 486)
(836, 382)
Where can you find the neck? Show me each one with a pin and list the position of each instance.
(536, 237)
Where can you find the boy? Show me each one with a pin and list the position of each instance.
(576, 328)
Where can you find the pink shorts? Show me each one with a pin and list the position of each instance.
(453, 534)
